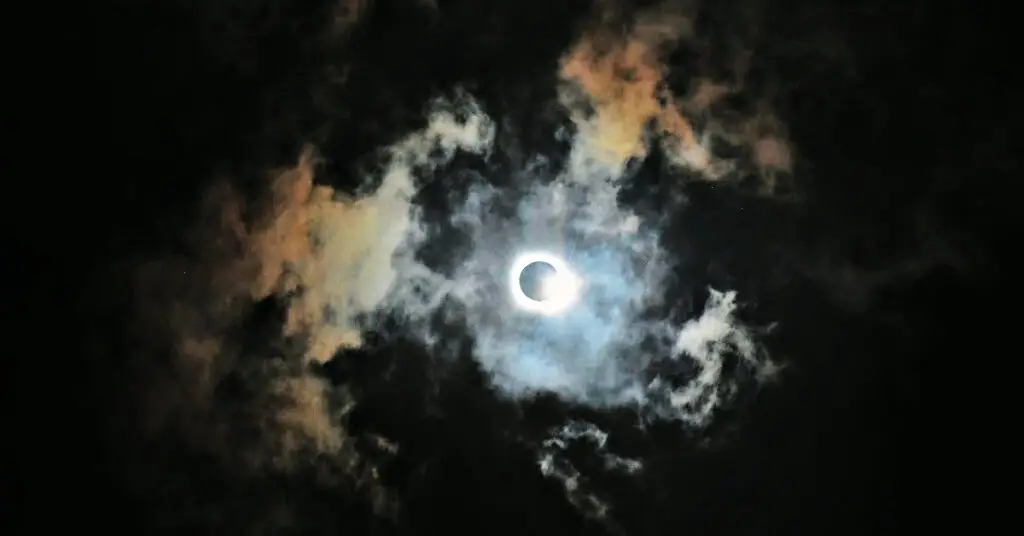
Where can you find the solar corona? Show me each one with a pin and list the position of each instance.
(544, 284)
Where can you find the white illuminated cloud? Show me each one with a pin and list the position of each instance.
(560, 291)
(606, 338)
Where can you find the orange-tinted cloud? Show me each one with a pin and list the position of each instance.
(323, 258)
(189, 308)
(622, 78)
(626, 104)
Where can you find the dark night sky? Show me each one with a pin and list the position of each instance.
(882, 266)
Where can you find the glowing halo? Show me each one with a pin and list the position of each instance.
(561, 290)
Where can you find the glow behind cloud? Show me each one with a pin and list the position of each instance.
(601, 350)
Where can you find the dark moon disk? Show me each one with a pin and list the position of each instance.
(532, 276)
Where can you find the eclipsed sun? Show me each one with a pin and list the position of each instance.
(543, 283)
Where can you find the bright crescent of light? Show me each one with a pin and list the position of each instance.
(561, 290)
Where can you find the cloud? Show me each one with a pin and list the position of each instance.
(192, 309)
(933, 248)
(329, 262)
(617, 348)
(553, 464)
(618, 93)
(604, 351)
(349, 12)
(228, 332)
(251, 395)
(622, 78)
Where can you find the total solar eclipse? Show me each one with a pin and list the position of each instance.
(543, 283)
